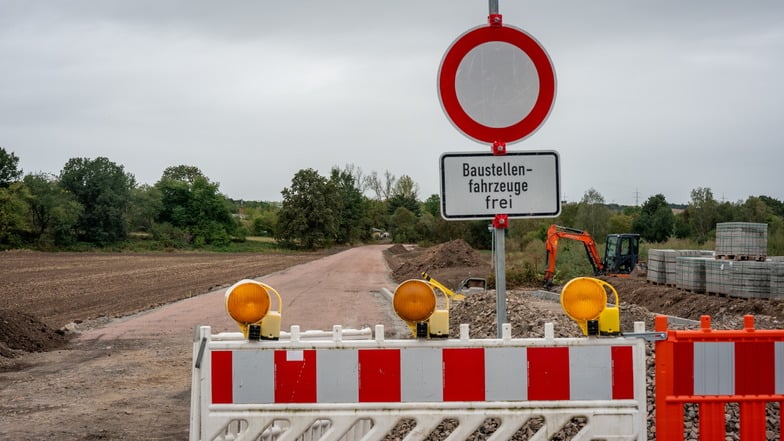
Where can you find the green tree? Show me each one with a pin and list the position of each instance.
(308, 216)
(264, 224)
(404, 226)
(593, 215)
(776, 206)
(478, 235)
(351, 209)
(183, 173)
(191, 203)
(54, 212)
(432, 205)
(103, 189)
(377, 215)
(404, 195)
(567, 218)
(728, 212)
(9, 171)
(656, 220)
(620, 223)
(13, 219)
(755, 210)
(702, 213)
(681, 229)
(776, 236)
(146, 206)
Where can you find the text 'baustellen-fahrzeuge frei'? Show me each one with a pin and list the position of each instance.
(511, 182)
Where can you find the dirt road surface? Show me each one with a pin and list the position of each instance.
(130, 378)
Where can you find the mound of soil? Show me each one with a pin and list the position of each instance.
(21, 332)
(449, 263)
(662, 299)
(397, 249)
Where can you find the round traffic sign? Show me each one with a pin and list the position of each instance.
(496, 83)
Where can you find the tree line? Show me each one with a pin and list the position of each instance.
(95, 202)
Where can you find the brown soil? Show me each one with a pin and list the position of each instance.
(673, 301)
(21, 332)
(449, 263)
(45, 293)
(44, 296)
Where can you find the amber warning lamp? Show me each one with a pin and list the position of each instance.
(584, 300)
(248, 303)
(415, 302)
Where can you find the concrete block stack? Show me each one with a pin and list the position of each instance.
(657, 271)
(741, 241)
(662, 264)
(717, 277)
(750, 280)
(744, 247)
(738, 268)
(690, 273)
(776, 276)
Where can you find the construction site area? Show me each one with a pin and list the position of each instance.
(46, 365)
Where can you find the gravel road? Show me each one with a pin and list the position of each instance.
(129, 379)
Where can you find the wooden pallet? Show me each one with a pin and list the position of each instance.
(718, 294)
(741, 257)
(652, 282)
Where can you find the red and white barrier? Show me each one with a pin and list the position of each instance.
(431, 374)
(254, 386)
(713, 368)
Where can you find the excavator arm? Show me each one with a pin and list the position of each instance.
(557, 232)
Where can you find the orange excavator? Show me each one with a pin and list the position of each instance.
(620, 255)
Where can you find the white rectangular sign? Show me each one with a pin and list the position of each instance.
(479, 185)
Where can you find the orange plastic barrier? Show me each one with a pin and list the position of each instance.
(712, 368)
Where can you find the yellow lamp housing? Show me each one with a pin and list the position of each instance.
(584, 299)
(415, 302)
(248, 303)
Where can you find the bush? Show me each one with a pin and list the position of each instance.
(170, 236)
(517, 276)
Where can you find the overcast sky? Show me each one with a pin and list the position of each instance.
(652, 96)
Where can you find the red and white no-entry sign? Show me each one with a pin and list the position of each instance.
(496, 83)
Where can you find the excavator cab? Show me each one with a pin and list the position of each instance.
(621, 253)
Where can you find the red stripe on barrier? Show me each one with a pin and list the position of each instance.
(222, 373)
(622, 373)
(379, 375)
(295, 376)
(548, 373)
(755, 368)
(464, 374)
(683, 376)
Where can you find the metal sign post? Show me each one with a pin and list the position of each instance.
(500, 223)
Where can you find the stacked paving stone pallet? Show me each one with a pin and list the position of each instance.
(690, 272)
(776, 276)
(739, 268)
(739, 278)
(741, 241)
(657, 271)
(662, 264)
